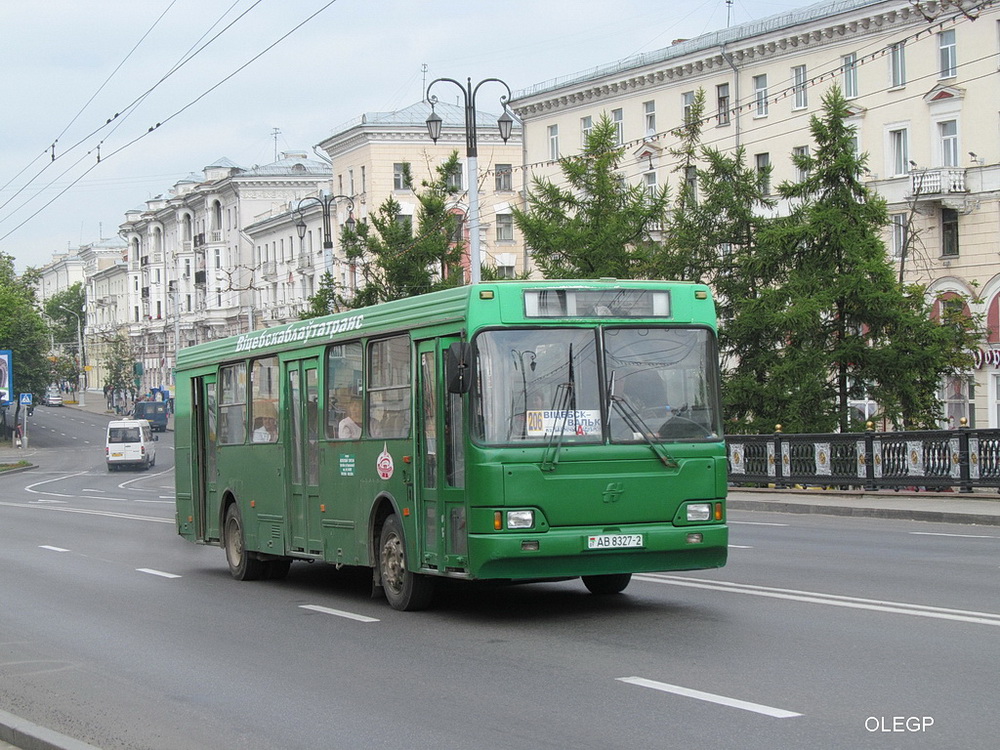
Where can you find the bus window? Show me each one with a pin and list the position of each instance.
(232, 404)
(666, 376)
(343, 391)
(389, 387)
(264, 391)
(534, 384)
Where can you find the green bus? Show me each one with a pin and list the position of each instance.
(510, 431)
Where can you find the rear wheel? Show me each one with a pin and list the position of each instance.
(242, 566)
(610, 584)
(404, 589)
(276, 570)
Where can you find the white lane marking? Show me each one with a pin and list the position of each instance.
(124, 485)
(89, 512)
(54, 549)
(31, 487)
(755, 523)
(833, 600)
(338, 613)
(962, 536)
(160, 573)
(722, 700)
(740, 546)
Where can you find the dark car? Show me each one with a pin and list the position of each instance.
(155, 412)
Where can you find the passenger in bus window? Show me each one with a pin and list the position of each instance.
(350, 427)
(265, 422)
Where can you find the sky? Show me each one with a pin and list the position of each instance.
(107, 103)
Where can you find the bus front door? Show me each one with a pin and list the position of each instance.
(439, 470)
(302, 425)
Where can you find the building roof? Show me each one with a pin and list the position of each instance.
(290, 163)
(733, 34)
(415, 115)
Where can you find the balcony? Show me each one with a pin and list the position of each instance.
(305, 262)
(268, 269)
(931, 183)
(215, 235)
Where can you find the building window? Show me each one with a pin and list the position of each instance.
(897, 64)
(850, 71)
(505, 227)
(949, 233)
(691, 183)
(504, 178)
(722, 98)
(364, 179)
(800, 152)
(760, 95)
(554, 142)
(958, 397)
(400, 176)
(763, 164)
(350, 180)
(454, 179)
(687, 101)
(900, 234)
(586, 126)
(618, 118)
(947, 54)
(948, 134)
(899, 151)
(649, 185)
(799, 87)
(649, 113)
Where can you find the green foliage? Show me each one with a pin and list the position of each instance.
(394, 262)
(118, 363)
(64, 324)
(823, 320)
(326, 300)
(597, 226)
(22, 330)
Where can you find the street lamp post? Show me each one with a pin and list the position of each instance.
(505, 123)
(325, 201)
(83, 359)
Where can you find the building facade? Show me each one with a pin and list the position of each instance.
(921, 80)
(192, 271)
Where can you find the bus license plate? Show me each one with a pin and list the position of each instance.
(614, 541)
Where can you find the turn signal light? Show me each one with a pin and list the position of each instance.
(497, 521)
(718, 511)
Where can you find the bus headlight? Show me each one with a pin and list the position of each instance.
(699, 511)
(520, 519)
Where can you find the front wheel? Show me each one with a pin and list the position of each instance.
(242, 566)
(404, 589)
(611, 584)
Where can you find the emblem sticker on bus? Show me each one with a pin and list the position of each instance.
(384, 465)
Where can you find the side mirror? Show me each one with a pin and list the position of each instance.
(458, 361)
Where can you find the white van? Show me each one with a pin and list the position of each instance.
(130, 442)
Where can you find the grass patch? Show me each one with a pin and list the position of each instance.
(18, 465)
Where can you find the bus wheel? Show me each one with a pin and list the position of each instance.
(404, 589)
(612, 584)
(241, 565)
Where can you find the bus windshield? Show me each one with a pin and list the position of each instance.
(656, 384)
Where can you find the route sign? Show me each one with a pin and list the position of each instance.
(26, 399)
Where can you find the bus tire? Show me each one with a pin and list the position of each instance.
(242, 566)
(610, 584)
(277, 570)
(405, 590)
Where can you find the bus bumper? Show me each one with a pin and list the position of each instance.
(563, 552)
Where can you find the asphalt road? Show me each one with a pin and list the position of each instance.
(822, 632)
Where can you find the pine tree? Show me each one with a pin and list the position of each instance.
(598, 225)
(394, 261)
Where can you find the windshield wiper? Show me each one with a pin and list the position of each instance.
(637, 424)
(565, 398)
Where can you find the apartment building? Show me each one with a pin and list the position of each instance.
(192, 272)
(922, 81)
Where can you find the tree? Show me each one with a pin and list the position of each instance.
(119, 364)
(394, 262)
(67, 329)
(22, 330)
(830, 322)
(327, 299)
(598, 225)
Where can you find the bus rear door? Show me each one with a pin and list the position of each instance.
(304, 508)
(204, 470)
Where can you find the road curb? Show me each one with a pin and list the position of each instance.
(18, 470)
(28, 736)
(909, 514)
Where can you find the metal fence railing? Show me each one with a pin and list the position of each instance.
(964, 458)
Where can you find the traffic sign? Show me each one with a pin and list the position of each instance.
(26, 399)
